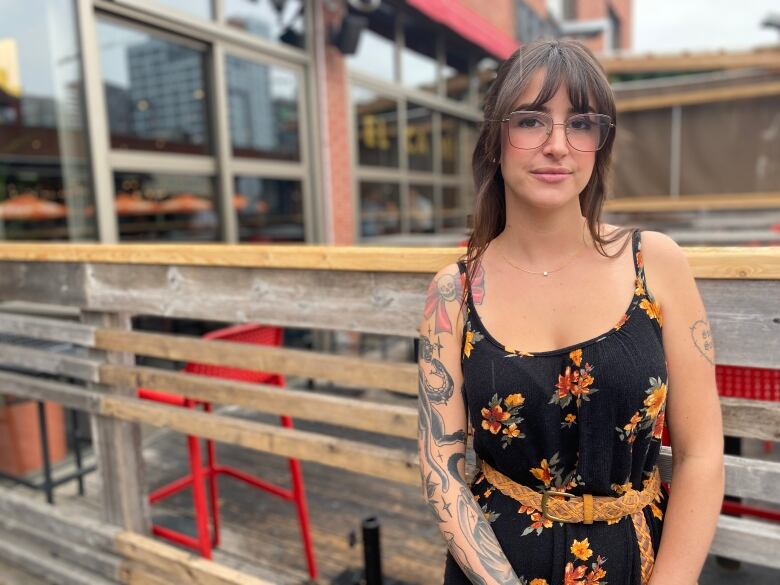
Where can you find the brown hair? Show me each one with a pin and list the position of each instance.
(567, 61)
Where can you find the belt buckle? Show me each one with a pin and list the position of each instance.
(545, 500)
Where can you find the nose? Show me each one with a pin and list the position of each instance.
(557, 145)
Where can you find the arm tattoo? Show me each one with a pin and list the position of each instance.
(479, 555)
(703, 340)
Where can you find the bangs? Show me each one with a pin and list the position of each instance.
(586, 86)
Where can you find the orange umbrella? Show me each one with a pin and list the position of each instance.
(134, 204)
(185, 203)
(29, 206)
(240, 201)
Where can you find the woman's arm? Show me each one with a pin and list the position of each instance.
(692, 413)
(442, 439)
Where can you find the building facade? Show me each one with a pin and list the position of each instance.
(322, 121)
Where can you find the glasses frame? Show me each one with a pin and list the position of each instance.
(564, 124)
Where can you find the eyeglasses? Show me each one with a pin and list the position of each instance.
(584, 132)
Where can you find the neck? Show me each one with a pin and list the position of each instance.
(539, 238)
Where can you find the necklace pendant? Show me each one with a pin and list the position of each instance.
(545, 273)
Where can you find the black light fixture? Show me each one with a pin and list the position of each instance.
(347, 37)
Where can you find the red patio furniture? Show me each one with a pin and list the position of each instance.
(205, 541)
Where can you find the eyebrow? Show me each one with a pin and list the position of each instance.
(543, 108)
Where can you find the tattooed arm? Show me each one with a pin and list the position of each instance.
(442, 439)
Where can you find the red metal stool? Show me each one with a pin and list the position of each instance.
(750, 384)
(205, 542)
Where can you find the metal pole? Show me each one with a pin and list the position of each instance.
(47, 486)
(371, 553)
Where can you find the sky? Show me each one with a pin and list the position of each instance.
(700, 25)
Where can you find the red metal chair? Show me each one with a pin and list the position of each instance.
(205, 542)
(749, 384)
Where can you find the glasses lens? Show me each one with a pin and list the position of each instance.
(587, 132)
(528, 129)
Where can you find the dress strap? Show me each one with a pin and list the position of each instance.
(639, 265)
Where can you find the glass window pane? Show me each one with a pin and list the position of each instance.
(486, 72)
(374, 55)
(161, 207)
(380, 205)
(419, 137)
(456, 72)
(450, 145)
(200, 8)
(376, 124)
(269, 19)
(453, 213)
(263, 106)
(269, 210)
(45, 184)
(418, 57)
(421, 209)
(155, 91)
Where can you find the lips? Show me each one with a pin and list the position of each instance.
(551, 171)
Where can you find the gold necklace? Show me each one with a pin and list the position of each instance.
(546, 272)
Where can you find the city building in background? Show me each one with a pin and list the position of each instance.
(323, 121)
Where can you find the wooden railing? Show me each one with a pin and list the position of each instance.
(369, 290)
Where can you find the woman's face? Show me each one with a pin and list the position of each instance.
(522, 169)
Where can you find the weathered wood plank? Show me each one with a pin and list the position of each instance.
(49, 362)
(43, 282)
(747, 540)
(379, 418)
(718, 262)
(118, 443)
(48, 329)
(393, 464)
(181, 567)
(362, 373)
(751, 419)
(39, 562)
(39, 389)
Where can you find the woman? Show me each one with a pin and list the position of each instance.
(567, 386)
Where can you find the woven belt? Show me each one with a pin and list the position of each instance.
(565, 507)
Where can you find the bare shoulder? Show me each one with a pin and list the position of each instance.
(664, 262)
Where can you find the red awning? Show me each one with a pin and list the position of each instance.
(469, 25)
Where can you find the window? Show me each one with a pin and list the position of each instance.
(269, 19)
(269, 210)
(376, 125)
(263, 108)
(152, 206)
(379, 209)
(45, 182)
(155, 90)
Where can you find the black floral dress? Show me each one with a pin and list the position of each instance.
(586, 418)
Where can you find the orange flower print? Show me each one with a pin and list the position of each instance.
(569, 420)
(573, 576)
(539, 582)
(472, 337)
(493, 417)
(542, 473)
(653, 309)
(639, 287)
(622, 321)
(655, 401)
(581, 549)
(576, 357)
(639, 260)
(551, 475)
(573, 382)
(580, 575)
(538, 521)
(651, 416)
(504, 419)
(658, 427)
